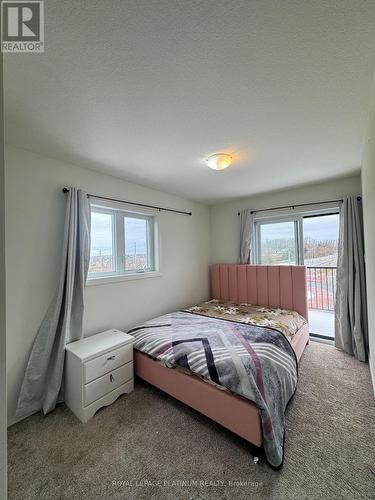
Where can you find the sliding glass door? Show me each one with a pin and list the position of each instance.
(320, 240)
(310, 239)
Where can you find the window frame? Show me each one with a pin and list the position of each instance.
(119, 272)
(297, 218)
(150, 241)
(276, 220)
(107, 211)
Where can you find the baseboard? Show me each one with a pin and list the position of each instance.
(372, 374)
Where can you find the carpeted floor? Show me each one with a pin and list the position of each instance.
(146, 444)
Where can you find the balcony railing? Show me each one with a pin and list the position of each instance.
(321, 288)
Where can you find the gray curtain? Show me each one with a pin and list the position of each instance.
(63, 320)
(246, 234)
(351, 330)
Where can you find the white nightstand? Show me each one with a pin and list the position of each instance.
(98, 370)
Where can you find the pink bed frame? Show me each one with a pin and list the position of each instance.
(273, 286)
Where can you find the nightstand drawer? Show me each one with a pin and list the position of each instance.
(107, 362)
(107, 383)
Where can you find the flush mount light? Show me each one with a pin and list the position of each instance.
(219, 161)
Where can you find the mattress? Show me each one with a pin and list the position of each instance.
(288, 322)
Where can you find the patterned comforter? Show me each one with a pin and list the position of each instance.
(288, 322)
(255, 362)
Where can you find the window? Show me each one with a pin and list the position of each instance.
(102, 239)
(320, 240)
(278, 243)
(122, 243)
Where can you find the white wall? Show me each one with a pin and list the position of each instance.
(34, 224)
(3, 428)
(368, 190)
(225, 222)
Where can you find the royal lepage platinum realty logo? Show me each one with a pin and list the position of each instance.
(22, 26)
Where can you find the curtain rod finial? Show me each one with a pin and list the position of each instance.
(65, 190)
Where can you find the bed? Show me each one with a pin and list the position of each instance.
(275, 290)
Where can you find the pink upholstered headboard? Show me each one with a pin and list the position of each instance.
(273, 286)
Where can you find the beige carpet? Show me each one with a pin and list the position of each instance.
(146, 444)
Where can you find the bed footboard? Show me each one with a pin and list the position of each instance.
(231, 411)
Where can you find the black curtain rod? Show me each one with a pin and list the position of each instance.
(143, 205)
(298, 205)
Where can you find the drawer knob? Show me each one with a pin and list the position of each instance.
(111, 358)
(111, 378)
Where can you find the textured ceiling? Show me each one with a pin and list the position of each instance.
(146, 89)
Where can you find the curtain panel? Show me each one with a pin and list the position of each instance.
(351, 329)
(62, 323)
(246, 236)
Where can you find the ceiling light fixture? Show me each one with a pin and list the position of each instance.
(219, 161)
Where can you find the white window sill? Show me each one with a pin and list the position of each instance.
(103, 280)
